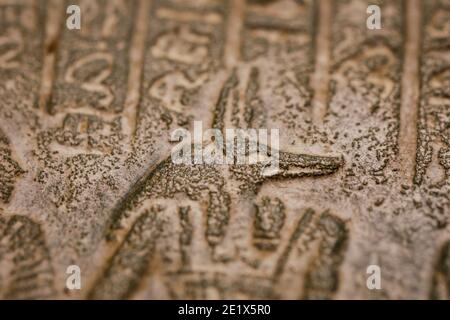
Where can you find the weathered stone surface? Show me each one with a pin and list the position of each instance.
(86, 176)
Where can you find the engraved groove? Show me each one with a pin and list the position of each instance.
(410, 91)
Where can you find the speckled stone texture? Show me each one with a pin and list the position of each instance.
(86, 176)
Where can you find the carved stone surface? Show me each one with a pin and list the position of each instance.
(86, 176)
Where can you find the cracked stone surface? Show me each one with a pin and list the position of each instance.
(86, 176)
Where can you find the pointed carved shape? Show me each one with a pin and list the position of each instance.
(9, 169)
(25, 261)
(130, 262)
(322, 279)
(291, 166)
(440, 288)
